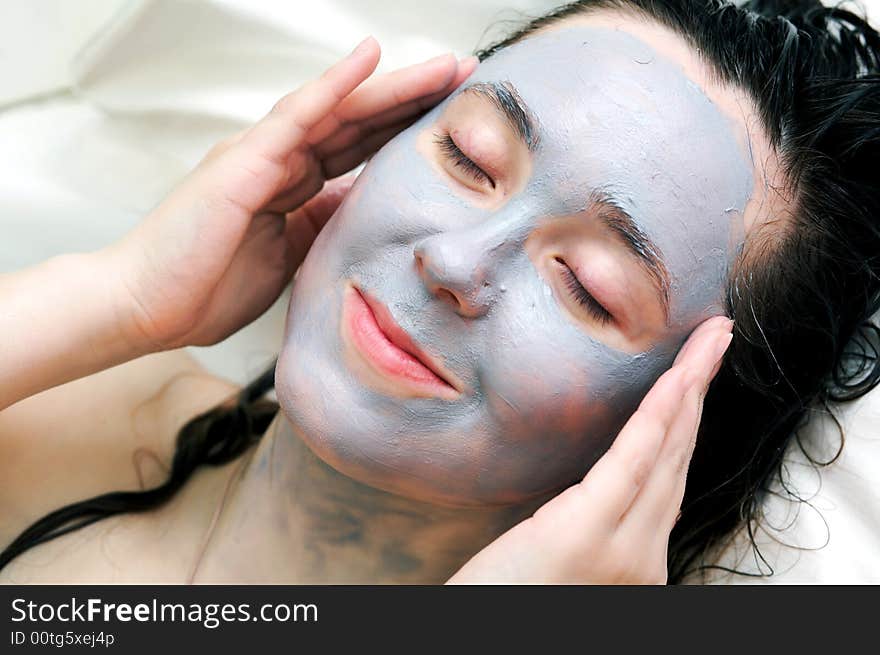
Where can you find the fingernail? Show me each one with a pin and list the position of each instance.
(361, 46)
(469, 61)
(719, 322)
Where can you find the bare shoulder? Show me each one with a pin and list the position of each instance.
(110, 431)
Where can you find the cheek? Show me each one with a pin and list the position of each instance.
(539, 413)
(549, 393)
(556, 396)
(542, 376)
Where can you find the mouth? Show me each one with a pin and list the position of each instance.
(390, 353)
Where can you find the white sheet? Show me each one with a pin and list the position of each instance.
(105, 104)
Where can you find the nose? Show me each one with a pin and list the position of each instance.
(460, 269)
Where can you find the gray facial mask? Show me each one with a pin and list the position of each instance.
(544, 395)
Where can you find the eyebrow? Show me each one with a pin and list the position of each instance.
(649, 256)
(513, 108)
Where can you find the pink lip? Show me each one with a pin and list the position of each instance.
(389, 350)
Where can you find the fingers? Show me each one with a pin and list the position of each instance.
(340, 117)
(714, 323)
(275, 165)
(664, 498)
(703, 350)
(407, 87)
(353, 144)
(387, 93)
(245, 173)
(389, 100)
(308, 181)
(656, 505)
(285, 127)
(622, 473)
(615, 480)
(658, 502)
(344, 161)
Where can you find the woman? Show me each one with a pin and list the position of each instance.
(491, 303)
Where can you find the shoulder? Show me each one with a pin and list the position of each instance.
(114, 430)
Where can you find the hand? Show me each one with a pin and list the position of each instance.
(221, 248)
(613, 527)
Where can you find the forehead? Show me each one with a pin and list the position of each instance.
(618, 114)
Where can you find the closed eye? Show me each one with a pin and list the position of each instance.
(581, 295)
(453, 153)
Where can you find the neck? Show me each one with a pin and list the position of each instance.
(288, 517)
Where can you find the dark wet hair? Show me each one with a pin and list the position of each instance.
(801, 293)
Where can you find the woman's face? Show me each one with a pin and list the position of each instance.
(509, 276)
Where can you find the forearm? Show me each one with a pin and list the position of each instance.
(59, 321)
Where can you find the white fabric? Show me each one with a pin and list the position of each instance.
(105, 104)
(832, 534)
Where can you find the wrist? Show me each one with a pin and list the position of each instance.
(61, 321)
(122, 328)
